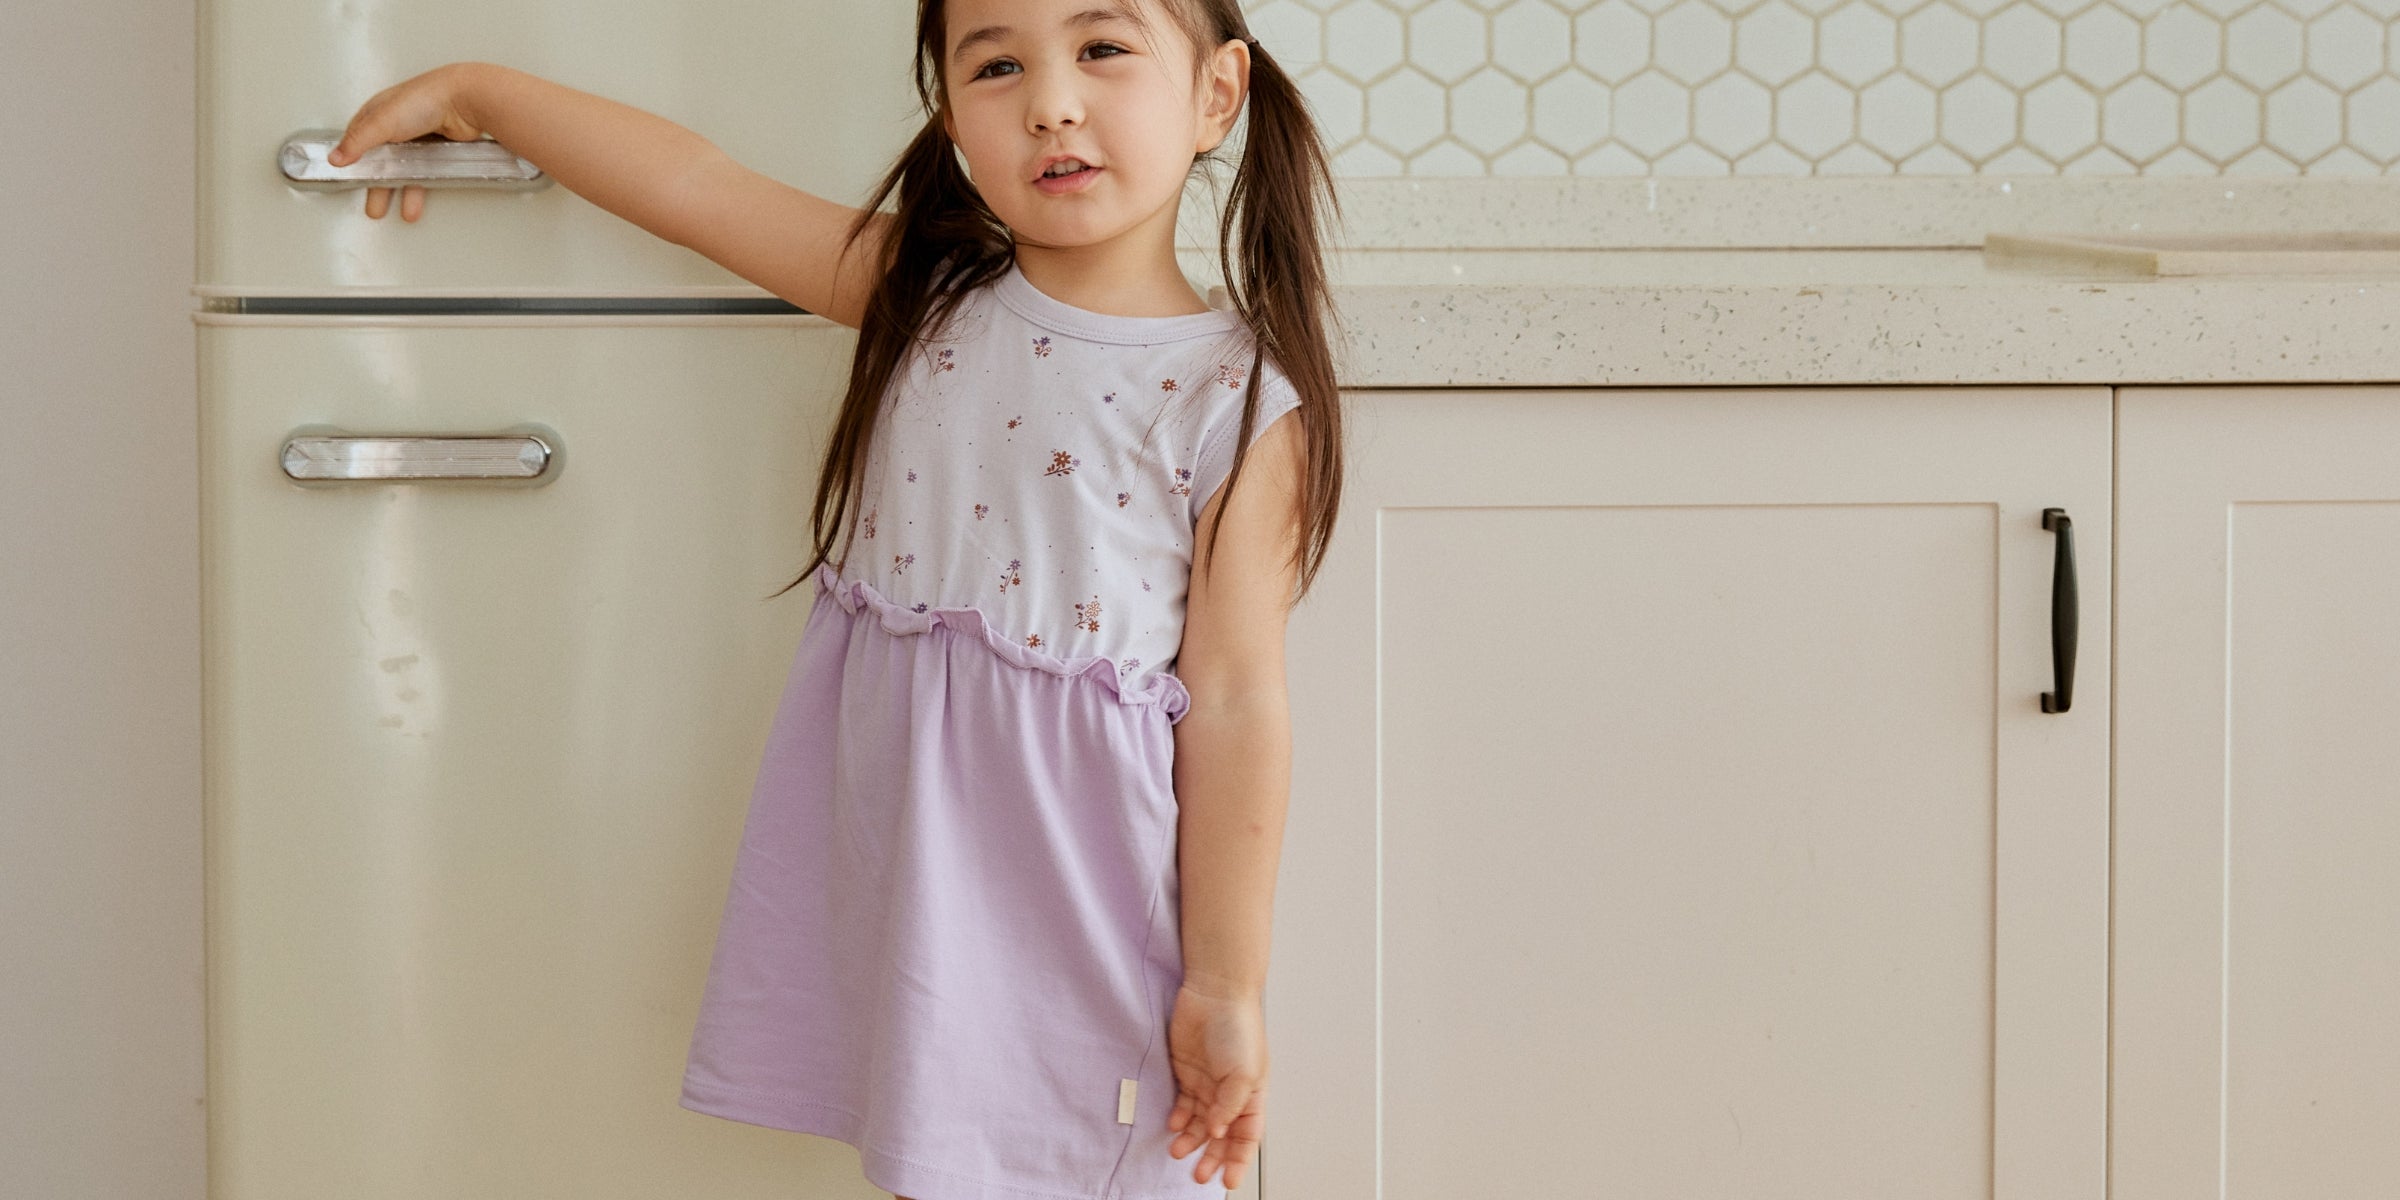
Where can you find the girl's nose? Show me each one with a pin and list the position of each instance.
(1053, 108)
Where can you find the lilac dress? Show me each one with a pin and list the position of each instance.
(952, 936)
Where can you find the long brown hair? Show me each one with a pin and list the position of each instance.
(946, 242)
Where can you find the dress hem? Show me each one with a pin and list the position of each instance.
(894, 1173)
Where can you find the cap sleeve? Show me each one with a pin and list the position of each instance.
(1276, 396)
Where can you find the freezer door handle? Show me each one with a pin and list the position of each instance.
(407, 458)
(429, 161)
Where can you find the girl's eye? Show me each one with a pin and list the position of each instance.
(987, 67)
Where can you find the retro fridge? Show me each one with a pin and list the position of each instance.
(492, 505)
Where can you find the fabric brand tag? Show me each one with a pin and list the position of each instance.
(1125, 1101)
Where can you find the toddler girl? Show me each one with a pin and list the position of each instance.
(999, 918)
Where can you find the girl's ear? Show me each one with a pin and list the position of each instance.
(1227, 87)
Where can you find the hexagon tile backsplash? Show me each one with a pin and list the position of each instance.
(1823, 87)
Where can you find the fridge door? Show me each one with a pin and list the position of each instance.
(817, 95)
(478, 751)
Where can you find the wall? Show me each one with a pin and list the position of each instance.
(1802, 87)
(101, 1060)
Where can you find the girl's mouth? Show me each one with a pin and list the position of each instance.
(1073, 181)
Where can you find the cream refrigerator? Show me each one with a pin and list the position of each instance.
(491, 508)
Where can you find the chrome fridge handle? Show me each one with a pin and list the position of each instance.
(428, 161)
(322, 456)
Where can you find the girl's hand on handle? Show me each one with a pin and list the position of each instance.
(427, 103)
(1217, 1043)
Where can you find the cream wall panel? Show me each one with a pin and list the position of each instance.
(102, 1072)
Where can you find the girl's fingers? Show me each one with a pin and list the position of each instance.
(1195, 1129)
(347, 150)
(1231, 1100)
(412, 202)
(1231, 1160)
(1221, 1163)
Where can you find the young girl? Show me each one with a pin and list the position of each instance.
(999, 918)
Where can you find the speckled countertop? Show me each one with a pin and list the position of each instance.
(1682, 316)
(1622, 288)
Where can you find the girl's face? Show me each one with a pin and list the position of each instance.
(1027, 80)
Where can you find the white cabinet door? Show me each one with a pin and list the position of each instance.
(2257, 929)
(1674, 811)
(478, 756)
(816, 95)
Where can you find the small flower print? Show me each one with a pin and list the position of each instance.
(1229, 376)
(1127, 666)
(1062, 463)
(981, 510)
(1166, 385)
(912, 475)
(919, 607)
(1183, 482)
(1009, 578)
(1145, 585)
(900, 562)
(1087, 616)
(1041, 347)
(1012, 422)
(943, 362)
(1033, 639)
(1124, 498)
(1110, 398)
(870, 523)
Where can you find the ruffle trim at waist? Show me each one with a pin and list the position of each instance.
(1160, 689)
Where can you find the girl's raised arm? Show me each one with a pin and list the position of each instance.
(667, 179)
(785, 240)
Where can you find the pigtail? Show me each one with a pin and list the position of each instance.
(1275, 271)
(944, 242)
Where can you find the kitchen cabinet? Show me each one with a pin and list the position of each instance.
(1674, 810)
(2257, 793)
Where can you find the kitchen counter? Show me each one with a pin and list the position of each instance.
(1616, 317)
(1910, 315)
(1834, 280)
(1668, 281)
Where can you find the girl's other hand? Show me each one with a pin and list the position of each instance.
(427, 103)
(1217, 1044)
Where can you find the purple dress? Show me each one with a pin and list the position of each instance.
(952, 936)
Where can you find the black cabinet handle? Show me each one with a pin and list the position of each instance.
(2062, 612)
